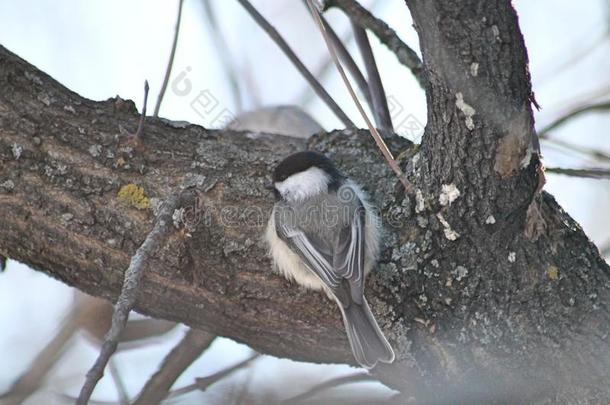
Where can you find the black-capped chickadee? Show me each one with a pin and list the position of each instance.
(324, 235)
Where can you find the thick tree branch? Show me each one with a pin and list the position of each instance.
(487, 290)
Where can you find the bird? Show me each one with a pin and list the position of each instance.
(324, 235)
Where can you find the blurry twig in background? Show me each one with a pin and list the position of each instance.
(576, 55)
(93, 316)
(332, 383)
(3, 261)
(378, 139)
(380, 103)
(140, 130)
(170, 63)
(603, 106)
(204, 383)
(128, 295)
(118, 383)
(283, 45)
(593, 173)
(179, 359)
(222, 49)
(571, 148)
(346, 58)
(32, 379)
(405, 55)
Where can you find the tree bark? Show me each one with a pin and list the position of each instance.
(486, 288)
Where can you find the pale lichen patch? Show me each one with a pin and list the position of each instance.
(449, 233)
(95, 150)
(449, 193)
(8, 185)
(420, 204)
(17, 151)
(466, 109)
(490, 220)
(512, 257)
(474, 69)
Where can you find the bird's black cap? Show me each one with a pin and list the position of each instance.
(301, 161)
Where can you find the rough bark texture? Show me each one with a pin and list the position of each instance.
(487, 289)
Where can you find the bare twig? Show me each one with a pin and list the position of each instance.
(283, 45)
(332, 383)
(204, 383)
(593, 173)
(140, 130)
(378, 139)
(222, 49)
(346, 58)
(577, 149)
(179, 359)
(405, 55)
(170, 62)
(118, 382)
(603, 106)
(31, 380)
(380, 104)
(128, 295)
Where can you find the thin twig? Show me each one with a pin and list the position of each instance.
(570, 147)
(405, 55)
(380, 103)
(140, 130)
(592, 173)
(204, 383)
(32, 379)
(346, 58)
(332, 383)
(603, 106)
(118, 382)
(170, 62)
(283, 45)
(128, 295)
(179, 359)
(378, 140)
(222, 49)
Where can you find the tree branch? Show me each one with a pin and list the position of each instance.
(170, 62)
(468, 298)
(405, 55)
(577, 112)
(128, 296)
(380, 104)
(591, 172)
(175, 363)
(205, 382)
(346, 57)
(283, 45)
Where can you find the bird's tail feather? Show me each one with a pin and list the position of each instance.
(366, 339)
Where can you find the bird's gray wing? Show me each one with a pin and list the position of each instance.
(340, 265)
(314, 252)
(349, 252)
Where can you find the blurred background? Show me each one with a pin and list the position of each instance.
(100, 49)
